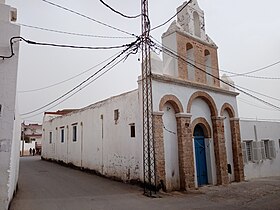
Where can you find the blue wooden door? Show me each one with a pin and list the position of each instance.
(201, 166)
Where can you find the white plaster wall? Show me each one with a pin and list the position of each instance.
(109, 151)
(14, 163)
(228, 143)
(265, 131)
(170, 64)
(199, 109)
(171, 148)
(8, 81)
(183, 93)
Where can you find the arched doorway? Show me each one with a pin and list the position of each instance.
(200, 156)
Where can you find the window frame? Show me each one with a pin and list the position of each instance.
(62, 134)
(249, 150)
(132, 130)
(50, 137)
(75, 132)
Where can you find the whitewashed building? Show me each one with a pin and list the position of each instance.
(261, 148)
(196, 125)
(9, 119)
(31, 138)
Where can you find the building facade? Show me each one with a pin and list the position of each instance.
(195, 118)
(9, 119)
(31, 138)
(261, 148)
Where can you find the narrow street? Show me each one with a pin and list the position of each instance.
(49, 186)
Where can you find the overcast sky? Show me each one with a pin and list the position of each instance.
(246, 32)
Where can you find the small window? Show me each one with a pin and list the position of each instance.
(50, 138)
(62, 135)
(132, 130)
(279, 142)
(249, 150)
(74, 133)
(0, 110)
(116, 115)
(266, 148)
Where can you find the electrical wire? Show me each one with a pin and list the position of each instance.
(267, 96)
(254, 71)
(251, 104)
(76, 34)
(60, 102)
(234, 74)
(123, 15)
(57, 45)
(71, 46)
(167, 21)
(66, 80)
(175, 55)
(133, 45)
(89, 18)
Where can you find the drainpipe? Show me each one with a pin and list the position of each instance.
(102, 135)
(255, 131)
(82, 139)
(67, 141)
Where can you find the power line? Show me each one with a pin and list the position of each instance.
(60, 102)
(133, 46)
(251, 104)
(75, 34)
(89, 18)
(257, 77)
(167, 21)
(227, 71)
(66, 80)
(234, 74)
(123, 15)
(267, 96)
(259, 119)
(57, 45)
(71, 46)
(175, 55)
(254, 71)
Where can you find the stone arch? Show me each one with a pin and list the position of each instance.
(207, 98)
(229, 109)
(204, 124)
(174, 101)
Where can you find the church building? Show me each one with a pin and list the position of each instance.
(195, 117)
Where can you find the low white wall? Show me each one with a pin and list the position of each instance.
(103, 144)
(264, 131)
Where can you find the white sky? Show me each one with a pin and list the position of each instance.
(246, 32)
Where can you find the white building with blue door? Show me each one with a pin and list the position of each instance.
(195, 116)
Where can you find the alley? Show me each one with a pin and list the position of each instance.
(49, 186)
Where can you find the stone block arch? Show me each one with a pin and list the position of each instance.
(204, 124)
(207, 98)
(174, 101)
(229, 109)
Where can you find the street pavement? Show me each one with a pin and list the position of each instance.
(48, 186)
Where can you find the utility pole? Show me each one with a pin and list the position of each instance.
(148, 133)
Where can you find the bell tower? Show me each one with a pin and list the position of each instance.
(187, 37)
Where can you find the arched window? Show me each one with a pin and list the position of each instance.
(196, 20)
(208, 67)
(190, 59)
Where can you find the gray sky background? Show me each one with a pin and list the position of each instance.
(246, 32)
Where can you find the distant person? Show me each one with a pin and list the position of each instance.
(33, 151)
(30, 151)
